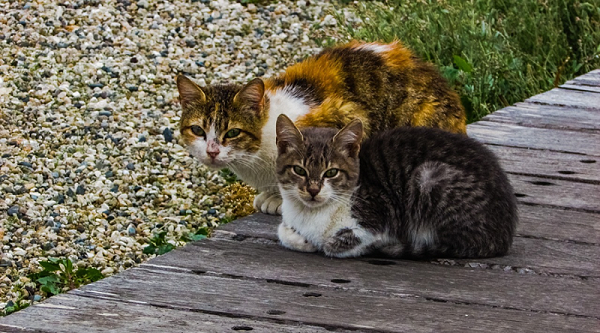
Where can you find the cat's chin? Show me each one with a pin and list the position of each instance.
(215, 165)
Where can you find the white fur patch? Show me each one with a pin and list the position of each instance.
(292, 240)
(375, 47)
(319, 224)
(258, 170)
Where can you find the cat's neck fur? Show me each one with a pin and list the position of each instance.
(258, 171)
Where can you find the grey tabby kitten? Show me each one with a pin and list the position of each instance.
(421, 192)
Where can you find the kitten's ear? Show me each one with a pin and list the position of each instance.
(189, 92)
(252, 94)
(288, 135)
(348, 139)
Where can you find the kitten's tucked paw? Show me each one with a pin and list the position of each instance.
(343, 244)
(268, 203)
(293, 240)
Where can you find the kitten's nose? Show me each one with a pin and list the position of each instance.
(313, 190)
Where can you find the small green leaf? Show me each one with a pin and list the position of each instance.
(51, 289)
(50, 266)
(165, 248)
(150, 249)
(49, 279)
(89, 274)
(196, 237)
(462, 64)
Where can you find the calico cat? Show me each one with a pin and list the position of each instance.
(406, 192)
(384, 85)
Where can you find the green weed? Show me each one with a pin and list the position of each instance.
(228, 175)
(494, 52)
(158, 244)
(14, 306)
(58, 275)
(199, 234)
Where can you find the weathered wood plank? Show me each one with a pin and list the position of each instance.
(452, 284)
(545, 256)
(545, 163)
(549, 257)
(574, 98)
(591, 79)
(537, 138)
(321, 306)
(558, 224)
(547, 116)
(555, 192)
(70, 313)
(578, 85)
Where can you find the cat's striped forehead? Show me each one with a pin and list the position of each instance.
(217, 111)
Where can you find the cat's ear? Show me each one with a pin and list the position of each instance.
(348, 139)
(189, 92)
(288, 135)
(252, 94)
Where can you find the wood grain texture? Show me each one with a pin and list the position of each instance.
(549, 257)
(567, 97)
(591, 79)
(558, 224)
(555, 192)
(543, 163)
(70, 313)
(320, 306)
(547, 116)
(544, 256)
(423, 279)
(537, 138)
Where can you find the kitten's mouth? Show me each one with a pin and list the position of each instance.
(313, 202)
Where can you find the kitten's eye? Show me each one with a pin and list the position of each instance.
(299, 171)
(232, 133)
(331, 173)
(197, 130)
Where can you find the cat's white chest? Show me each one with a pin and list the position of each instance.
(260, 172)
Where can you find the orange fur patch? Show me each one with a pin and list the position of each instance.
(426, 114)
(326, 70)
(334, 112)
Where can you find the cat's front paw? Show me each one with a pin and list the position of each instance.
(293, 240)
(268, 203)
(343, 244)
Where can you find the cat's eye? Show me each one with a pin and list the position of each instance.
(299, 171)
(232, 133)
(197, 130)
(331, 173)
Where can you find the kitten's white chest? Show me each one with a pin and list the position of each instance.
(317, 224)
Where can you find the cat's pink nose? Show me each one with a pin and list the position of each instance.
(213, 154)
(313, 191)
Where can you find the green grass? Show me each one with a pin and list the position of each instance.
(494, 52)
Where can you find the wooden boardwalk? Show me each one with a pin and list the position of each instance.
(242, 280)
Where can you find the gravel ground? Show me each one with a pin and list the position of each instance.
(90, 164)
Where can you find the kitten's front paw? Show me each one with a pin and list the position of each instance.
(343, 244)
(268, 203)
(293, 240)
